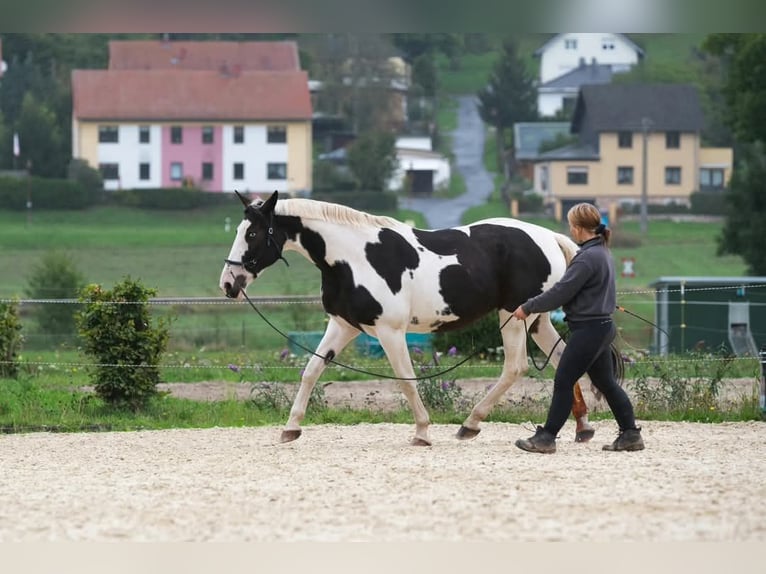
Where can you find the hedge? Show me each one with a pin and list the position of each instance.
(45, 193)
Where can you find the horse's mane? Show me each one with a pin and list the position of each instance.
(313, 209)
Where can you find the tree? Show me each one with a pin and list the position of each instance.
(372, 160)
(745, 93)
(42, 143)
(509, 97)
(744, 233)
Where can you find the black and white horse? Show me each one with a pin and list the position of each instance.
(385, 278)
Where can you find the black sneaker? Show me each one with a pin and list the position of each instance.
(542, 441)
(628, 439)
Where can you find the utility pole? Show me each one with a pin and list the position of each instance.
(645, 124)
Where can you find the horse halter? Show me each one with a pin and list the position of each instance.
(250, 264)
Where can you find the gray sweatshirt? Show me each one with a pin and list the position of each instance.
(587, 289)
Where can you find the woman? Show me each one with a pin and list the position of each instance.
(587, 294)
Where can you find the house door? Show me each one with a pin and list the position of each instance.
(421, 181)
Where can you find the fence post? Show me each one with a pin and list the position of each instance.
(763, 381)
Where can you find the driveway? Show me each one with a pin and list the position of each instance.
(468, 147)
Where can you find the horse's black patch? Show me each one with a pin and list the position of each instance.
(329, 356)
(342, 298)
(391, 257)
(497, 267)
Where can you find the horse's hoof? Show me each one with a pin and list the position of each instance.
(290, 435)
(420, 442)
(464, 433)
(584, 435)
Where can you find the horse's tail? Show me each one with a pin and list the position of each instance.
(568, 247)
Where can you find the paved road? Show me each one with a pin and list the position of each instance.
(468, 146)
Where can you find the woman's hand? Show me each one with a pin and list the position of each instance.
(520, 314)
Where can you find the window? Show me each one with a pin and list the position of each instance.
(570, 44)
(577, 175)
(176, 171)
(207, 134)
(239, 134)
(624, 139)
(711, 178)
(108, 134)
(109, 171)
(144, 134)
(176, 134)
(143, 171)
(239, 171)
(673, 175)
(624, 175)
(207, 171)
(672, 140)
(276, 134)
(276, 171)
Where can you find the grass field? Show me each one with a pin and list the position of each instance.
(180, 254)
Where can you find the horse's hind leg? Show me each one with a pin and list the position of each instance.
(547, 338)
(514, 365)
(337, 335)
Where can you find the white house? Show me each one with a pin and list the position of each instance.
(419, 168)
(565, 52)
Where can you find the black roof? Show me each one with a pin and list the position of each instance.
(617, 107)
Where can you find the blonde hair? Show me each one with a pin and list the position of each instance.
(587, 216)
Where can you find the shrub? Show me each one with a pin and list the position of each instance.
(169, 198)
(45, 193)
(10, 340)
(708, 203)
(117, 331)
(482, 335)
(55, 276)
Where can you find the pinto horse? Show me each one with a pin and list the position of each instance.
(385, 278)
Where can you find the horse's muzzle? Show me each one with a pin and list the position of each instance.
(233, 290)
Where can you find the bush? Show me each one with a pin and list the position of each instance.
(89, 178)
(10, 340)
(117, 331)
(482, 335)
(45, 193)
(708, 203)
(55, 276)
(169, 198)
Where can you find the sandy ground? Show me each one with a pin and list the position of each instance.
(694, 482)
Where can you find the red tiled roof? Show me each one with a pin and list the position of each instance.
(189, 95)
(179, 55)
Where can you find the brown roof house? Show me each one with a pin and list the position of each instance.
(224, 116)
(606, 164)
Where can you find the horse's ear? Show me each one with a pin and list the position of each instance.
(244, 201)
(268, 205)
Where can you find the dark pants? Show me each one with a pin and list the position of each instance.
(588, 351)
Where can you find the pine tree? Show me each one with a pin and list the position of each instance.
(509, 96)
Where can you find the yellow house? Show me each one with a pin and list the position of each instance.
(633, 140)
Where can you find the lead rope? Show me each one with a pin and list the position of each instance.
(331, 359)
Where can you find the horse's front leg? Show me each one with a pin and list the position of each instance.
(337, 335)
(514, 365)
(394, 343)
(547, 338)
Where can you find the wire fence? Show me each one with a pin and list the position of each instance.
(216, 323)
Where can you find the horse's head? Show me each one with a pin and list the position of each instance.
(255, 247)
